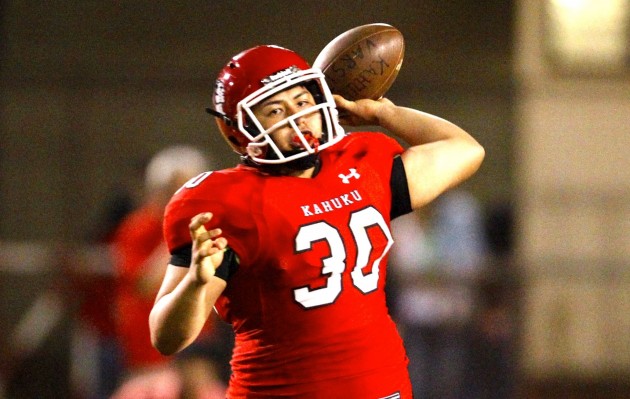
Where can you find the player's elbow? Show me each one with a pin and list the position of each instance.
(477, 154)
(466, 158)
(163, 339)
(165, 350)
(166, 344)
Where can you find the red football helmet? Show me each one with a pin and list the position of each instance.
(256, 74)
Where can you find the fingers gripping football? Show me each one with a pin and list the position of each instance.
(207, 248)
(362, 112)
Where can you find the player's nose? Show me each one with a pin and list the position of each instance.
(300, 120)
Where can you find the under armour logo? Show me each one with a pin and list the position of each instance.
(346, 178)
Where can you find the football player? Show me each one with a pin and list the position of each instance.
(290, 246)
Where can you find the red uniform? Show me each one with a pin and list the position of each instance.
(307, 302)
(135, 240)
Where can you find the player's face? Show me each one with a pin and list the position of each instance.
(282, 106)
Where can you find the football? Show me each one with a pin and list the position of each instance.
(362, 62)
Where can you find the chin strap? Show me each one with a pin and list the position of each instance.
(282, 169)
(222, 116)
(303, 163)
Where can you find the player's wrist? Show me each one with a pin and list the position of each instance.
(195, 280)
(385, 113)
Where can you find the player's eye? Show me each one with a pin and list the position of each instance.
(304, 103)
(273, 112)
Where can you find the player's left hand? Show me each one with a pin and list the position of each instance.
(364, 112)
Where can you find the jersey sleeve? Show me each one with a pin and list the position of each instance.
(399, 186)
(227, 199)
(401, 200)
(385, 153)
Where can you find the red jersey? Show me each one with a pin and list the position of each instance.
(135, 240)
(307, 302)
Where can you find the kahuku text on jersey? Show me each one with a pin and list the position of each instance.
(332, 204)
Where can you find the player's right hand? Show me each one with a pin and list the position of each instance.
(363, 112)
(208, 248)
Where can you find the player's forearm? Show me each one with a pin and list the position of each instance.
(416, 127)
(177, 317)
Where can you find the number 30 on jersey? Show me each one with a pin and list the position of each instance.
(334, 265)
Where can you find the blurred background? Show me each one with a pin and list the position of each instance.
(516, 285)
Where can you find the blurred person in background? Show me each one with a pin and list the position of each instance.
(140, 258)
(96, 364)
